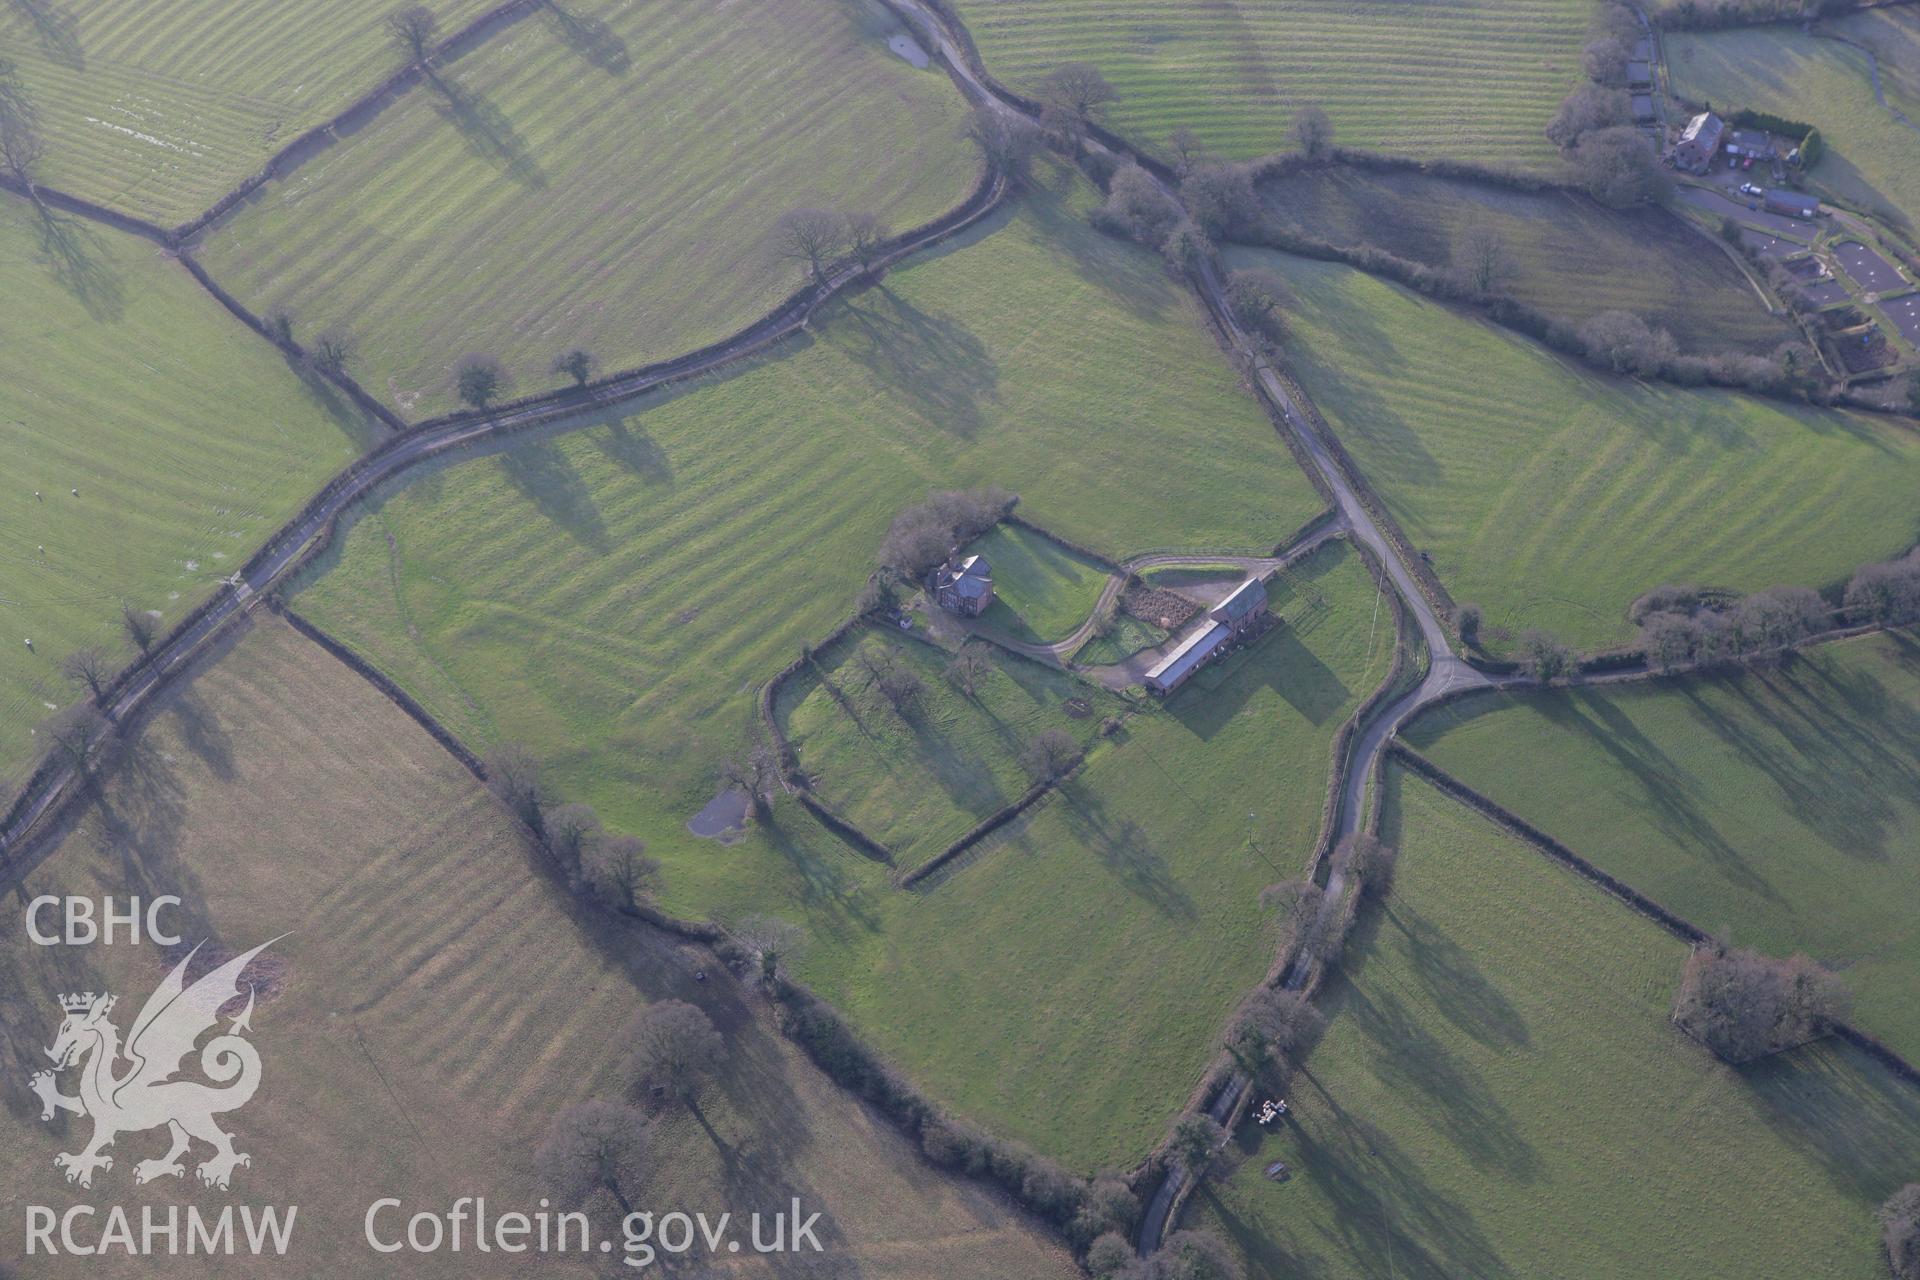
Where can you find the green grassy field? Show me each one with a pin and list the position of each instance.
(1129, 636)
(1552, 495)
(1469, 79)
(1041, 590)
(1573, 258)
(558, 596)
(159, 107)
(1073, 1036)
(438, 1000)
(188, 438)
(1500, 1094)
(919, 781)
(557, 197)
(1871, 157)
(1781, 805)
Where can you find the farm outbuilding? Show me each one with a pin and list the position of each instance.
(1187, 657)
(1749, 142)
(1234, 616)
(1699, 142)
(1794, 204)
(1639, 75)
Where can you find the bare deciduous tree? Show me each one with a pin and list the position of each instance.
(514, 775)
(1744, 1005)
(139, 626)
(1271, 1024)
(1007, 143)
(1543, 657)
(1313, 132)
(756, 774)
(1184, 146)
(1483, 259)
(676, 1047)
(412, 29)
(479, 379)
(618, 872)
(1079, 89)
(771, 942)
(1256, 297)
(867, 236)
(90, 668)
(570, 830)
(21, 152)
(578, 364)
(968, 668)
(1900, 1231)
(1369, 861)
(74, 732)
(333, 349)
(594, 1146)
(1050, 756)
(814, 237)
(901, 687)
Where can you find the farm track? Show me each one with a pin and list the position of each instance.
(1448, 676)
(435, 438)
(1058, 652)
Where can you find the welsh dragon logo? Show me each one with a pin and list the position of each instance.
(146, 1094)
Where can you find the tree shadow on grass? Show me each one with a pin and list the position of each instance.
(1409, 1059)
(76, 255)
(932, 362)
(1388, 1218)
(1277, 661)
(1455, 984)
(1860, 1122)
(1835, 742)
(546, 476)
(488, 132)
(361, 428)
(1667, 789)
(56, 30)
(1126, 850)
(633, 449)
(592, 38)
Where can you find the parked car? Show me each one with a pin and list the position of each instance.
(1747, 163)
(1749, 189)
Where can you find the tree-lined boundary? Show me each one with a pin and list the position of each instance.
(1674, 923)
(435, 438)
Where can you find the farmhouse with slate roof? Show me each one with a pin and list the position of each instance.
(1699, 143)
(964, 585)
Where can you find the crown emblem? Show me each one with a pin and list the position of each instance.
(82, 1001)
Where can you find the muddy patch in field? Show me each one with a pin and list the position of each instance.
(725, 817)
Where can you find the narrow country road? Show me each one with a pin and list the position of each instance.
(1447, 671)
(246, 588)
